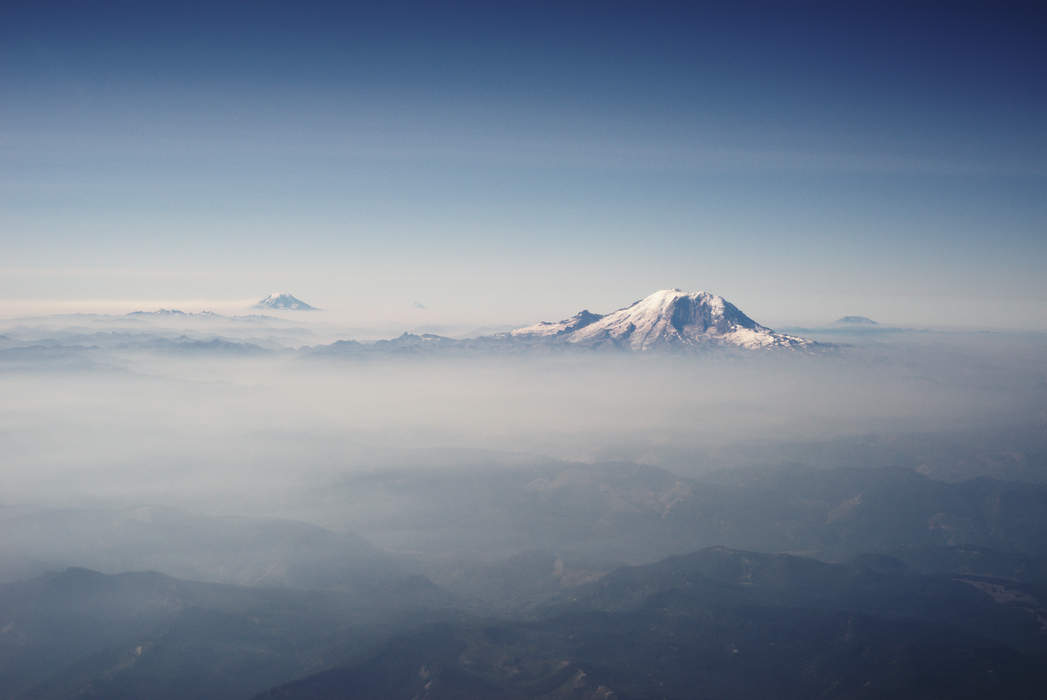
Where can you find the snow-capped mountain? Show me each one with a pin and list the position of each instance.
(283, 302)
(667, 319)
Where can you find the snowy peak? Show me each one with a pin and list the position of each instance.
(667, 319)
(283, 301)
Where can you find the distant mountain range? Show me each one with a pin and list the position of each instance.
(205, 315)
(668, 320)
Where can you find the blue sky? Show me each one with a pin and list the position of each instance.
(504, 161)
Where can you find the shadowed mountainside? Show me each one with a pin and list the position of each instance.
(723, 623)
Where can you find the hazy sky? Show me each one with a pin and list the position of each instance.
(503, 162)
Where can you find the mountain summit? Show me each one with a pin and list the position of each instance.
(667, 319)
(284, 302)
(855, 321)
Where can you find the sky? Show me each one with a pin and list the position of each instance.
(500, 163)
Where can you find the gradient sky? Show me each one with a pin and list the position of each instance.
(503, 162)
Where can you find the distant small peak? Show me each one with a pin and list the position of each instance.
(284, 301)
(856, 321)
